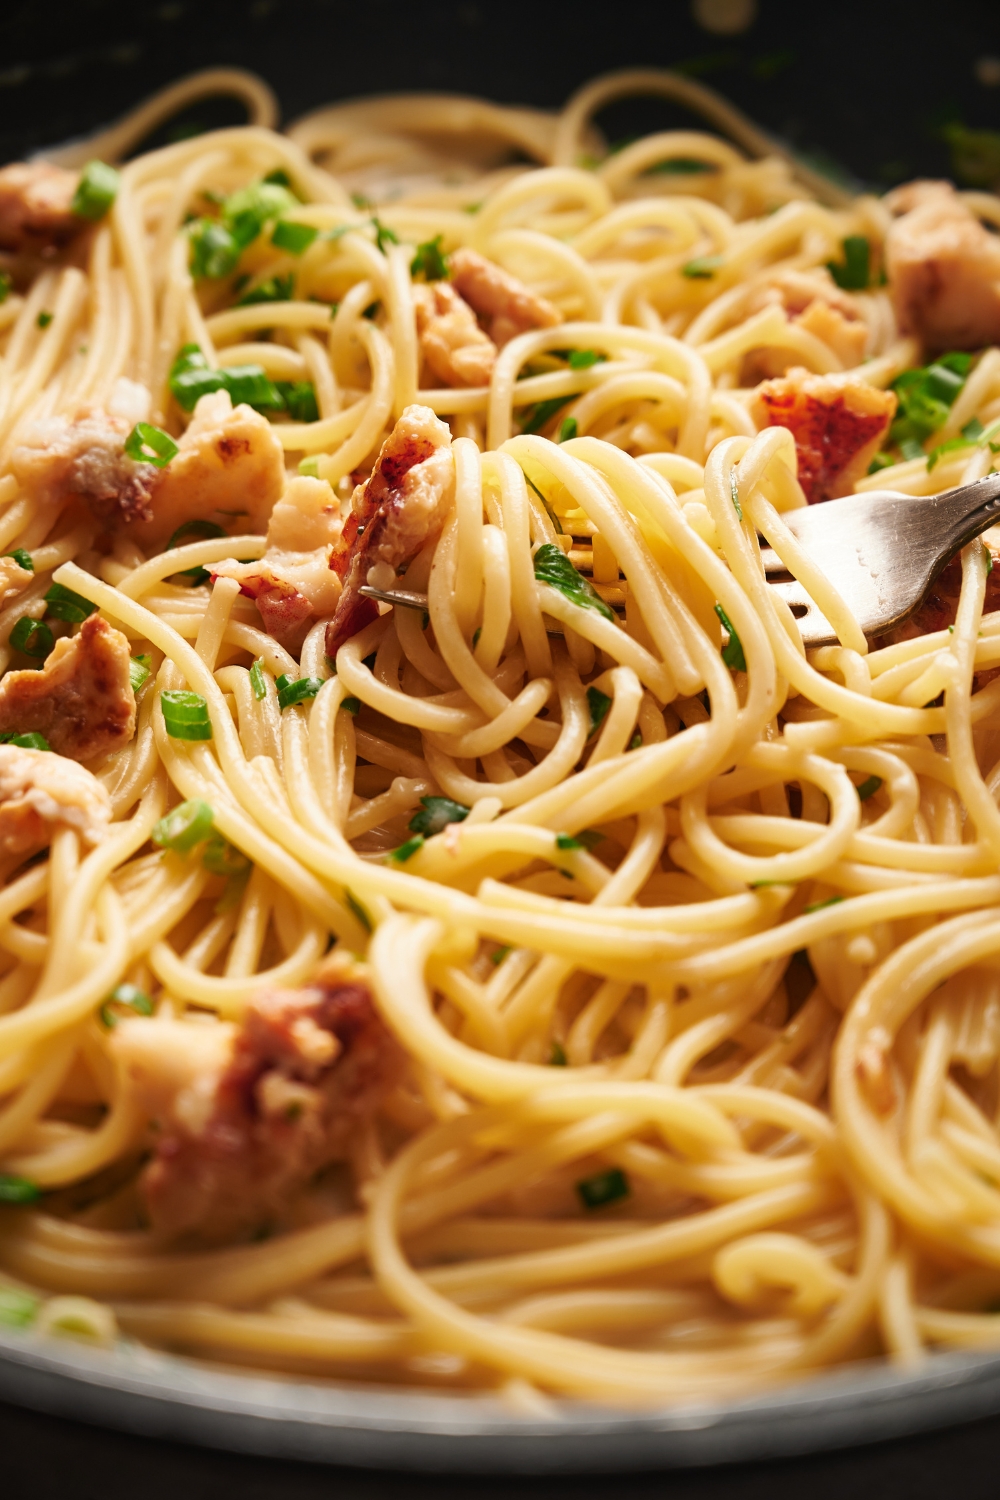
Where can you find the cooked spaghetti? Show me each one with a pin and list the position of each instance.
(548, 977)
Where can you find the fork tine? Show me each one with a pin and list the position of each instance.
(814, 627)
(772, 562)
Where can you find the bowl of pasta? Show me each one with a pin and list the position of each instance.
(488, 994)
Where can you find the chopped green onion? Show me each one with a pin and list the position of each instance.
(22, 558)
(925, 396)
(257, 682)
(599, 704)
(819, 905)
(6, 285)
(126, 994)
(732, 651)
(553, 567)
(911, 448)
(139, 668)
(383, 234)
(299, 398)
(150, 445)
(435, 814)
(635, 743)
(245, 212)
(582, 359)
(854, 274)
(587, 838)
(557, 1054)
(65, 605)
(869, 788)
(214, 250)
(186, 716)
(187, 824)
(428, 261)
(702, 268)
(310, 466)
(18, 1189)
(881, 461)
(220, 857)
(498, 956)
(32, 741)
(605, 1187)
(734, 490)
(96, 191)
(191, 378)
(278, 175)
(296, 690)
(44, 319)
(295, 238)
(361, 912)
(351, 705)
(33, 637)
(408, 850)
(973, 430)
(568, 428)
(194, 531)
(17, 1309)
(476, 635)
(537, 417)
(274, 289)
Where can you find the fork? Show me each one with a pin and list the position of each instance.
(881, 551)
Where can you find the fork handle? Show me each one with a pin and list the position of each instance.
(962, 514)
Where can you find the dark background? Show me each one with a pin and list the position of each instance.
(878, 91)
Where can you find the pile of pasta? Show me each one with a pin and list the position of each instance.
(689, 936)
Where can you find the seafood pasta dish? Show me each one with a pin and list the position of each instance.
(453, 932)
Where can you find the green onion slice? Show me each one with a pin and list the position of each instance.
(408, 850)
(96, 190)
(15, 1189)
(65, 605)
(186, 716)
(868, 788)
(187, 824)
(599, 703)
(17, 1308)
(129, 995)
(33, 637)
(568, 428)
(296, 690)
(429, 261)
(361, 912)
(435, 814)
(220, 857)
(139, 668)
(732, 651)
(22, 558)
(150, 445)
(351, 706)
(258, 683)
(295, 238)
(32, 741)
(605, 1187)
(819, 905)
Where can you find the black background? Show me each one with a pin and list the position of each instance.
(867, 86)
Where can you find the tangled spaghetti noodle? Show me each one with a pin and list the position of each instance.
(570, 985)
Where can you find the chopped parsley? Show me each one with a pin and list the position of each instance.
(605, 1187)
(435, 814)
(732, 651)
(599, 703)
(429, 261)
(553, 567)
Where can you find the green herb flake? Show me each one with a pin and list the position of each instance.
(32, 741)
(273, 289)
(15, 1189)
(498, 955)
(129, 995)
(258, 685)
(296, 690)
(635, 743)
(821, 905)
(359, 911)
(186, 716)
(64, 604)
(44, 319)
(853, 274)
(96, 191)
(587, 838)
(33, 637)
(534, 418)
(973, 430)
(299, 398)
(925, 396)
(429, 261)
(734, 490)
(408, 850)
(583, 359)
(6, 285)
(557, 1054)
(22, 558)
(139, 668)
(150, 445)
(869, 788)
(17, 1309)
(568, 428)
(295, 238)
(187, 824)
(732, 651)
(191, 378)
(553, 567)
(220, 857)
(351, 706)
(598, 703)
(702, 268)
(605, 1187)
(881, 461)
(435, 814)
(383, 234)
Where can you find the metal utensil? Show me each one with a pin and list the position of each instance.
(880, 550)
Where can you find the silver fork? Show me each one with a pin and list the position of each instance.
(880, 550)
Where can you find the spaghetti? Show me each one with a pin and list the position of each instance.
(558, 980)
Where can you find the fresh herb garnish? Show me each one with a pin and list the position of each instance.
(383, 234)
(33, 637)
(605, 1187)
(150, 445)
(296, 689)
(220, 857)
(22, 558)
(44, 319)
(361, 912)
(587, 838)
(553, 567)
(274, 289)
(351, 706)
(732, 651)
(408, 850)
(96, 190)
(429, 261)
(819, 905)
(567, 429)
(139, 668)
(537, 417)
(295, 238)
(854, 273)
(187, 824)
(925, 396)
(191, 378)
(32, 741)
(258, 685)
(15, 1189)
(17, 1309)
(557, 1054)
(583, 359)
(64, 604)
(129, 995)
(186, 716)
(868, 788)
(702, 268)
(6, 285)
(734, 490)
(599, 703)
(435, 814)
